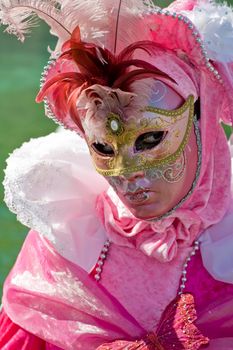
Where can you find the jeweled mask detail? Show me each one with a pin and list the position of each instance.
(129, 136)
(114, 124)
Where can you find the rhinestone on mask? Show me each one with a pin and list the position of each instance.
(114, 125)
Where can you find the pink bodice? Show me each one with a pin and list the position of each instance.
(143, 285)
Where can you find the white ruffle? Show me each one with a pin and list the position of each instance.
(217, 244)
(215, 23)
(216, 249)
(52, 186)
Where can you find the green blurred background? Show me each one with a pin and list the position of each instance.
(21, 119)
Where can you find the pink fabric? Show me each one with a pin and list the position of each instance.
(179, 317)
(13, 337)
(88, 315)
(182, 5)
(58, 302)
(214, 301)
(161, 240)
(216, 249)
(137, 282)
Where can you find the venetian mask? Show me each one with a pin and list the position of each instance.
(141, 146)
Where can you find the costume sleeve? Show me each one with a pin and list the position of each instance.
(36, 192)
(14, 337)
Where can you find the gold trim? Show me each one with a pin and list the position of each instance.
(172, 113)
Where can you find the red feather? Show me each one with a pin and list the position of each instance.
(93, 64)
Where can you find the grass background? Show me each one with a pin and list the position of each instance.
(20, 119)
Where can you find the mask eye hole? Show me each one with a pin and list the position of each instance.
(149, 140)
(103, 149)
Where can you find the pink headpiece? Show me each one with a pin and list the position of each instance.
(92, 52)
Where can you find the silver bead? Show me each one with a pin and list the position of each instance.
(97, 277)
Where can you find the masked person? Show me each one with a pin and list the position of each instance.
(136, 253)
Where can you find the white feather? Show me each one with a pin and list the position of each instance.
(20, 15)
(97, 19)
(215, 23)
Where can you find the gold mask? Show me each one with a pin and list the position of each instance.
(132, 144)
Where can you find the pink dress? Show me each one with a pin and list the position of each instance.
(51, 299)
(213, 299)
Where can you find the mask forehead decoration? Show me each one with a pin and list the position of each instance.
(131, 137)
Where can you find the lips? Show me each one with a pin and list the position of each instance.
(138, 196)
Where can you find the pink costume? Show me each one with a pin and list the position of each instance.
(91, 275)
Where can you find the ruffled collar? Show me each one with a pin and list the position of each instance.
(160, 239)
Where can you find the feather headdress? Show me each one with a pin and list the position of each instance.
(111, 30)
(102, 22)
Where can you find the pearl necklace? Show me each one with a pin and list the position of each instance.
(100, 262)
(196, 247)
(104, 254)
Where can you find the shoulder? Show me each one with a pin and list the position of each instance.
(52, 187)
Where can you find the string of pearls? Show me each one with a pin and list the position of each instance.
(101, 260)
(185, 267)
(104, 254)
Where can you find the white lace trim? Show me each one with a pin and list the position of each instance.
(52, 186)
